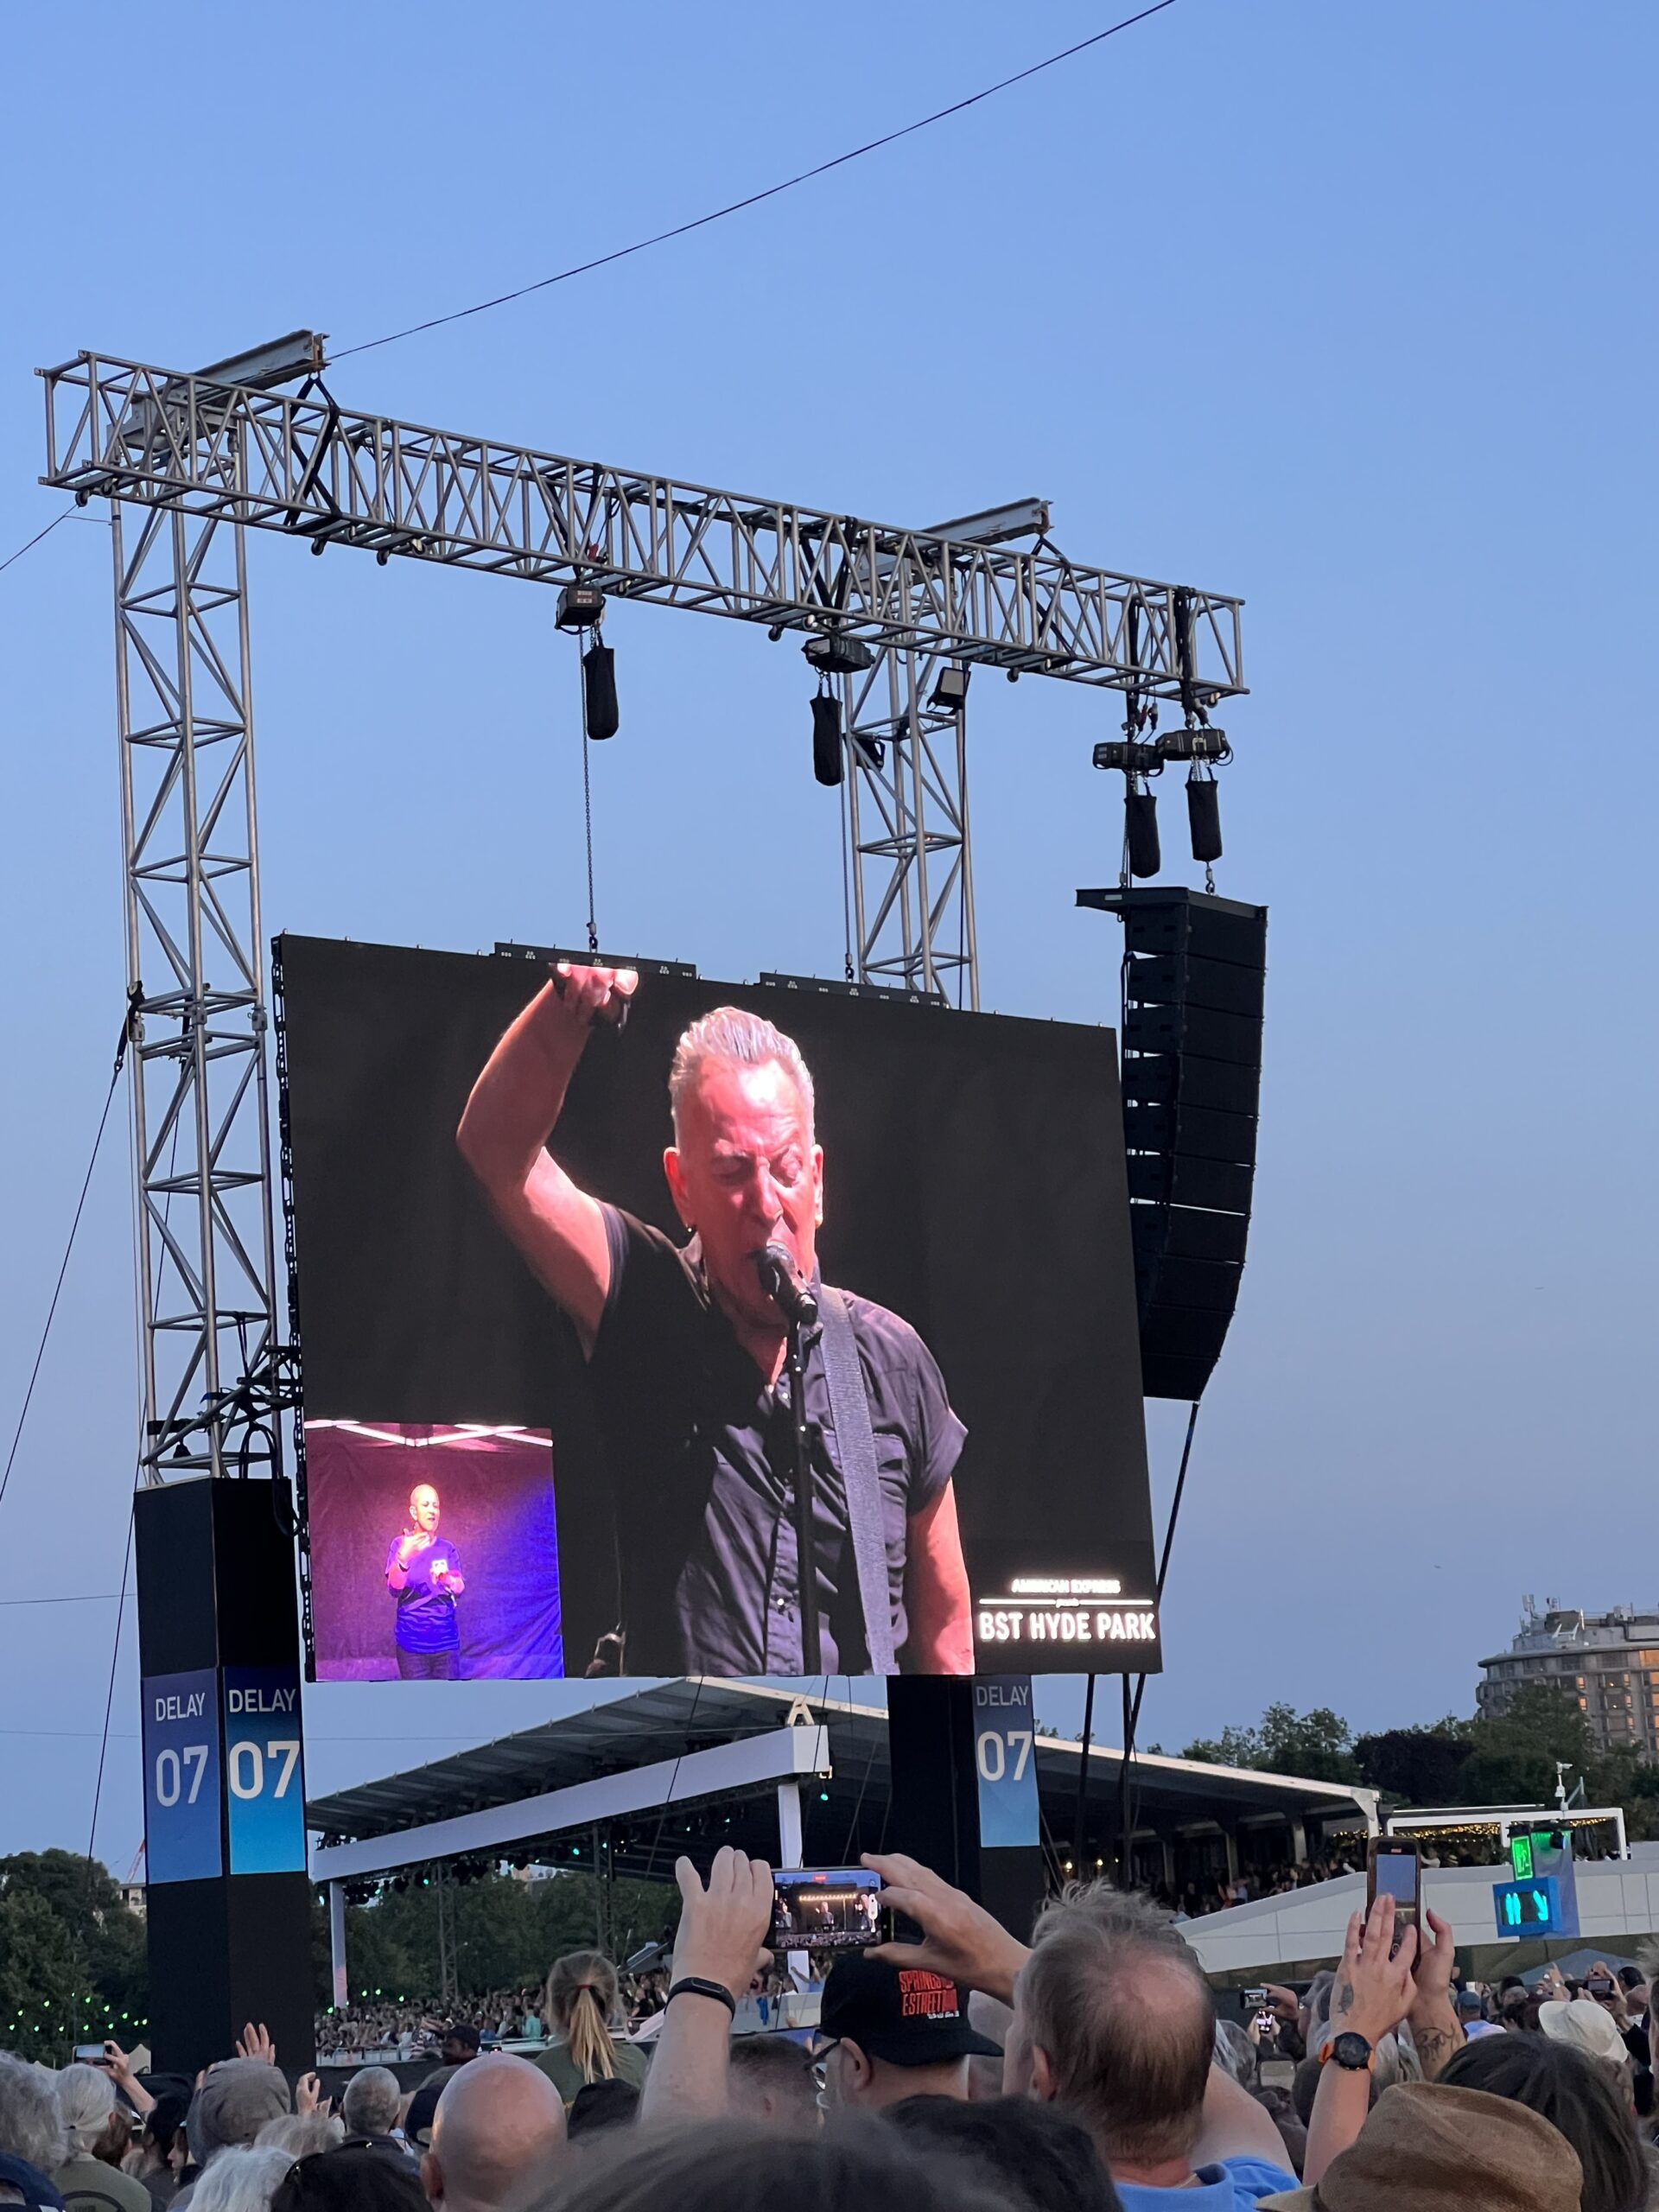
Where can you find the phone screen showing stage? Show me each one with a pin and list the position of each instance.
(835, 1909)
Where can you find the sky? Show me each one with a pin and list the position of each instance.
(1348, 311)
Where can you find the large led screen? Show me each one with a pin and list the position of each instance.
(550, 1415)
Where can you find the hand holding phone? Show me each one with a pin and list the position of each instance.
(828, 1908)
(1395, 1870)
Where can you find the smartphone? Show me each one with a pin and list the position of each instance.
(1254, 1997)
(89, 2053)
(1395, 1870)
(828, 1908)
(1265, 2023)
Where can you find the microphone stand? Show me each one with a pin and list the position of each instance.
(806, 1554)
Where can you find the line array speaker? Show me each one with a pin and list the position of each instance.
(1194, 967)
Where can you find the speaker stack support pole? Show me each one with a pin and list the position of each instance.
(963, 1753)
(228, 1904)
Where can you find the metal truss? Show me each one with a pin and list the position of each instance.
(206, 1254)
(202, 457)
(303, 464)
(907, 829)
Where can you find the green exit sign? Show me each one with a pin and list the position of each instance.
(1521, 1864)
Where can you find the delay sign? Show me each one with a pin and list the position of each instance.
(264, 1770)
(180, 1738)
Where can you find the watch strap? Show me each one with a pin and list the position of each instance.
(1328, 2052)
(696, 1985)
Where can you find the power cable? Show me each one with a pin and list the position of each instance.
(754, 199)
(127, 1021)
(1132, 1717)
(588, 803)
(35, 540)
(79, 1597)
(108, 1699)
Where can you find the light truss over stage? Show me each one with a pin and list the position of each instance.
(124, 431)
(189, 461)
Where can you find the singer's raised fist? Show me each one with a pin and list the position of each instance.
(595, 994)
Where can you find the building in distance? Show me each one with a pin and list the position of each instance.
(1608, 1663)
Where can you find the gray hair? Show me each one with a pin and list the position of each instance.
(1235, 2053)
(86, 2099)
(732, 1038)
(242, 2179)
(300, 2133)
(1117, 2000)
(372, 2101)
(30, 2124)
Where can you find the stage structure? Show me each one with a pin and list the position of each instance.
(894, 620)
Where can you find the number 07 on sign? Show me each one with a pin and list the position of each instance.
(182, 1788)
(1004, 1745)
(264, 1771)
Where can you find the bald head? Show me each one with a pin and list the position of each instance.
(496, 2136)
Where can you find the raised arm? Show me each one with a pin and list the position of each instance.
(514, 1107)
(719, 1942)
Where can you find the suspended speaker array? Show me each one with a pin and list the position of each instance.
(1194, 970)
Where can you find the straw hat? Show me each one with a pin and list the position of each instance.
(1428, 2148)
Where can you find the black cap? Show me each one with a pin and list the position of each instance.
(906, 2015)
(461, 2031)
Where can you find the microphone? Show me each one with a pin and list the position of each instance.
(781, 1281)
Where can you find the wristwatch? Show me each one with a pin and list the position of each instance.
(1352, 2052)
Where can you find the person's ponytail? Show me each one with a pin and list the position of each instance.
(581, 2002)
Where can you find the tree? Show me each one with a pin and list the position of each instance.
(1421, 1765)
(1514, 1750)
(1317, 1746)
(94, 1951)
(40, 1974)
(506, 1933)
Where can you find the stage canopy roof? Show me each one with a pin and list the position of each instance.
(684, 1765)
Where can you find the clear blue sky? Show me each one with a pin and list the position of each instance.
(1346, 309)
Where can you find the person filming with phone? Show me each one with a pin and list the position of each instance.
(423, 1573)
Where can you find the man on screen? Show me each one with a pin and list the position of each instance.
(423, 1573)
(686, 1351)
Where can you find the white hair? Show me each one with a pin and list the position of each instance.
(31, 2124)
(86, 2099)
(1234, 2053)
(372, 2100)
(732, 1038)
(243, 2179)
(299, 2134)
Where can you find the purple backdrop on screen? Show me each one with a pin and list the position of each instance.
(496, 1490)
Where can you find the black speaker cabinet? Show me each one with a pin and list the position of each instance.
(1194, 967)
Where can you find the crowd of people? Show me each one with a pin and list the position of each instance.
(1214, 1892)
(407, 2030)
(1083, 2071)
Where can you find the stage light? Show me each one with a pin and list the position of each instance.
(600, 716)
(581, 606)
(951, 692)
(1140, 832)
(826, 739)
(836, 655)
(1204, 815)
(279, 361)
(996, 525)
(1134, 760)
(1196, 741)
